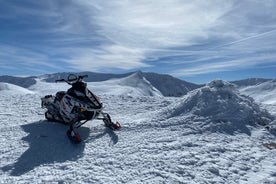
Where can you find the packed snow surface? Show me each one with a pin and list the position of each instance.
(211, 135)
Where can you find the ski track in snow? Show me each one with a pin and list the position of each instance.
(148, 149)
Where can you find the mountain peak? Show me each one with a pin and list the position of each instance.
(140, 83)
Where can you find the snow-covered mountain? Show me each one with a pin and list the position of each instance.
(250, 82)
(166, 84)
(132, 85)
(213, 134)
(161, 84)
(140, 84)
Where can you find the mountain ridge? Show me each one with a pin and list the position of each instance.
(166, 84)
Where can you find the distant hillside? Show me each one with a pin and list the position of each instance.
(168, 85)
(264, 92)
(24, 82)
(250, 81)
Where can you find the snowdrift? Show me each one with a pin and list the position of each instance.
(6, 88)
(219, 106)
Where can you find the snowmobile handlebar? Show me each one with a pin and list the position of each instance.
(82, 77)
(72, 78)
(60, 80)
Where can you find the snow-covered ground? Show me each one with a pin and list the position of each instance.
(162, 140)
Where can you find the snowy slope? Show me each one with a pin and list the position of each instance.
(133, 85)
(249, 82)
(264, 92)
(160, 142)
(6, 88)
(168, 85)
(140, 84)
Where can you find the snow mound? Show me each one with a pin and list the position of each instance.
(6, 88)
(222, 108)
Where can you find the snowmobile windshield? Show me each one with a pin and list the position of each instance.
(78, 90)
(79, 86)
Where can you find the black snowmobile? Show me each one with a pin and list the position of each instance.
(75, 107)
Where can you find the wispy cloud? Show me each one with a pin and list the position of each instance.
(178, 29)
(154, 25)
(16, 58)
(226, 65)
(107, 57)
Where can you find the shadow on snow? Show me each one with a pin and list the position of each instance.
(113, 137)
(48, 144)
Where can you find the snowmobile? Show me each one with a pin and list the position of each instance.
(75, 107)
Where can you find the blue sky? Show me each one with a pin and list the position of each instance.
(197, 41)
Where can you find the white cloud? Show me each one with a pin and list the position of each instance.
(111, 56)
(16, 57)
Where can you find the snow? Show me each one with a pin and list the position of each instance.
(165, 84)
(162, 140)
(222, 107)
(262, 92)
(133, 85)
(7, 88)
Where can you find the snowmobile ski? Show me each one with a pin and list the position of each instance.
(114, 126)
(108, 123)
(74, 136)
